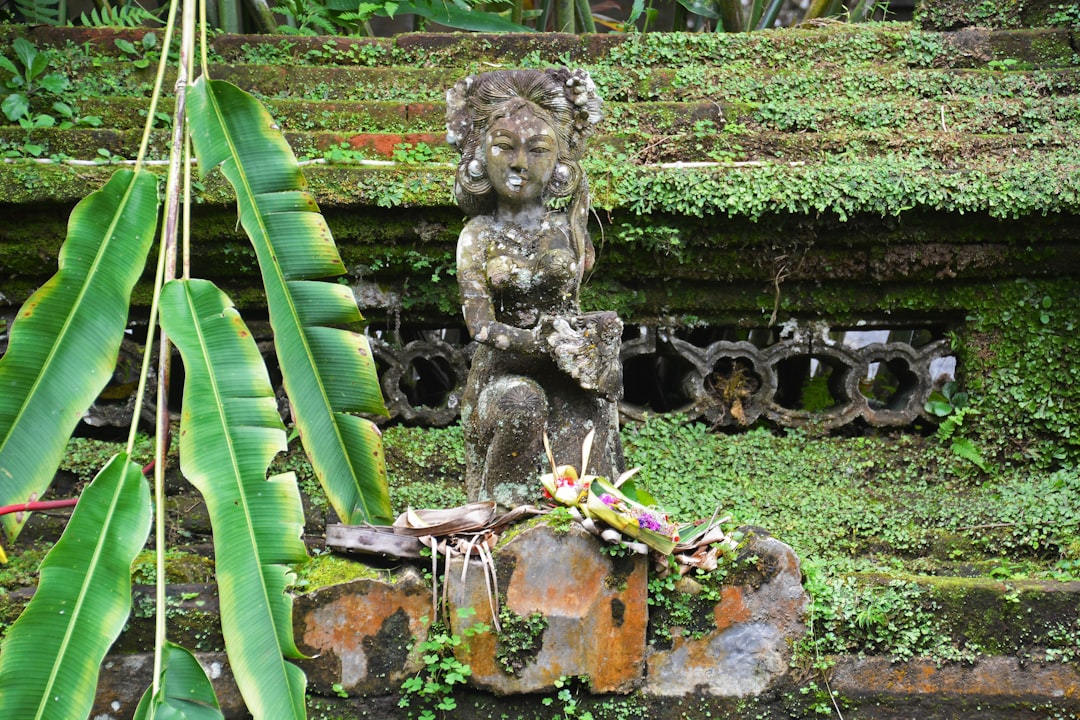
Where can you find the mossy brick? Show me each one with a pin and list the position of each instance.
(193, 617)
(1017, 50)
(997, 617)
(361, 634)
(312, 49)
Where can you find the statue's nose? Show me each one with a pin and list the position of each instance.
(520, 161)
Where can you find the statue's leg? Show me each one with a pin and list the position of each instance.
(510, 416)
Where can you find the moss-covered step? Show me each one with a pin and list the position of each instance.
(1035, 619)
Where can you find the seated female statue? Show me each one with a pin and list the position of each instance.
(541, 366)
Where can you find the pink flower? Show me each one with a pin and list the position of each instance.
(648, 522)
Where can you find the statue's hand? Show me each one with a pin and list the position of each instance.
(587, 349)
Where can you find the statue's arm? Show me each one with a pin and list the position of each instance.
(476, 302)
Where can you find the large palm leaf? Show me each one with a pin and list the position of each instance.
(229, 433)
(64, 341)
(328, 372)
(49, 660)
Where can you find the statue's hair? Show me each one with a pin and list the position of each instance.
(565, 99)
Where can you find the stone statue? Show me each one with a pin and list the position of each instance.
(541, 364)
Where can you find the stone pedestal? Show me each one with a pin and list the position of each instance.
(359, 633)
(745, 645)
(569, 609)
(594, 606)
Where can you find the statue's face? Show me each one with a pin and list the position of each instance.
(521, 153)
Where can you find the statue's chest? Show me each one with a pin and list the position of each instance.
(535, 269)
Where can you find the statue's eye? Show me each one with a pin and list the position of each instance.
(504, 146)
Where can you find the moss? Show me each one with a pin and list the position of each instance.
(953, 14)
(519, 640)
(329, 569)
(558, 520)
(996, 617)
(192, 614)
(180, 568)
(21, 569)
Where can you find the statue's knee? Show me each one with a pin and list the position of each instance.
(519, 402)
(523, 401)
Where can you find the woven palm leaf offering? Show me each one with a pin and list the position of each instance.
(624, 507)
(634, 513)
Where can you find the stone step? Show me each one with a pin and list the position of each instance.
(705, 82)
(830, 44)
(689, 131)
(678, 144)
(707, 647)
(877, 688)
(1036, 620)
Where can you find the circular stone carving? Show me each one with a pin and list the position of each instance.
(402, 367)
(904, 404)
(844, 387)
(737, 384)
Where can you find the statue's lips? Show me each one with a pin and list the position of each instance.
(515, 181)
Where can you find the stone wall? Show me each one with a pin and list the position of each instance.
(886, 177)
(850, 172)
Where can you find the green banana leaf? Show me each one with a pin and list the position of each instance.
(455, 15)
(185, 693)
(229, 432)
(448, 14)
(327, 372)
(64, 341)
(704, 8)
(49, 660)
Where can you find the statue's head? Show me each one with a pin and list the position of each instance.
(557, 107)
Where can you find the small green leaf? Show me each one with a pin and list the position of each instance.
(26, 53)
(125, 46)
(54, 83)
(15, 106)
(939, 408)
(10, 67)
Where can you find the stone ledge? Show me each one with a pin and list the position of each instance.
(995, 678)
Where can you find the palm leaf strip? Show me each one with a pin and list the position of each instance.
(229, 433)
